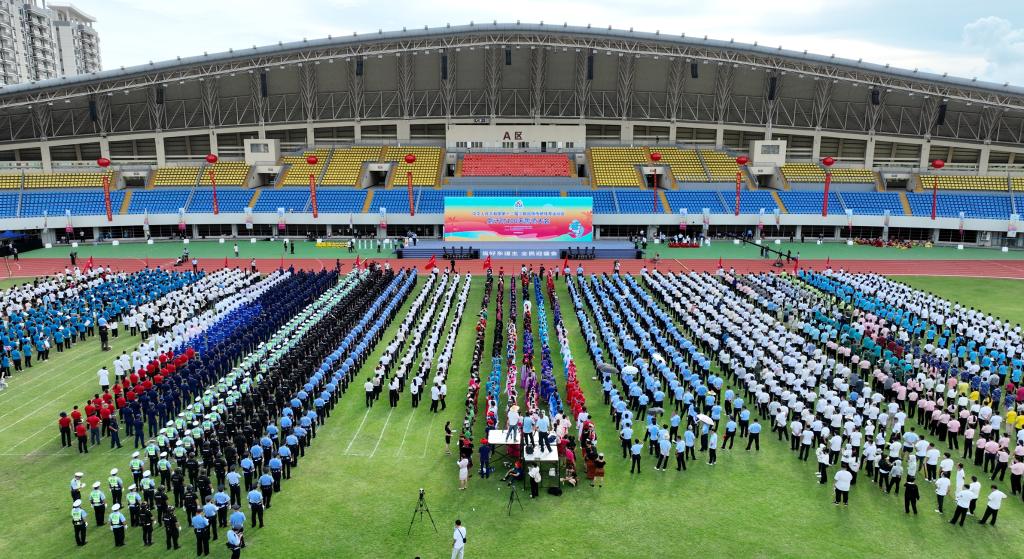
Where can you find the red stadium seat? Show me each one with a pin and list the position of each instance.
(515, 165)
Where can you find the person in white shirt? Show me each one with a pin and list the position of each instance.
(104, 376)
(368, 387)
(843, 478)
(458, 540)
(975, 489)
(941, 490)
(964, 498)
(995, 500)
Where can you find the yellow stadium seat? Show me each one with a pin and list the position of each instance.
(10, 181)
(297, 171)
(226, 173)
(65, 180)
(346, 166)
(425, 171)
(175, 176)
(616, 166)
(965, 182)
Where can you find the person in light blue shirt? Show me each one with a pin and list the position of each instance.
(201, 526)
(673, 431)
(651, 435)
(626, 436)
(713, 449)
(680, 455)
(235, 542)
(744, 421)
(754, 436)
(528, 425)
(285, 454)
(635, 451)
(234, 480)
(664, 448)
(210, 512)
(276, 465)
(266, 483)
(237, 518)
(255, 499)
(543, 426)
(248, 471)
(223, 502)
(730, 434)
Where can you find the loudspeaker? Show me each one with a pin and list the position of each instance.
(159, 95)
(359, 66)
(590, 66)
(444, 66)
(263, 84)
(92, 110)
(876, 97)
(942, 115)
(693, 70)
(508, 57)
(773, 82)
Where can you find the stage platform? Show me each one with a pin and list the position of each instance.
(622, 250)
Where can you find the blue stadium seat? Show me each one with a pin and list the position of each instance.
(604, 201)
(8, 204)
(516, 192)
(809, 202)
(950, 205)
(162, 201)
(337, 200)
(394, 201)
(751, 202)
(873, 203)
(80, 202)
(229, 200)
(695, 201)
(637, 201)
(293, 200)
(430, 201)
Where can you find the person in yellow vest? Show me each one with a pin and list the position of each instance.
(116, 487)
(117, 522)
(134, 499)
(78, 520)
(99, 503)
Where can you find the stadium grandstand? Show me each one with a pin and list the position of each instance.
(694, 104)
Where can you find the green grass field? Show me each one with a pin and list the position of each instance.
(355, 491)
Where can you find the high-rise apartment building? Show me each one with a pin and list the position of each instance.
(40, 41)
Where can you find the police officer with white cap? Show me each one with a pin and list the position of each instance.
(117, 522)
(134, 500)
(77, 486)
(136, 466)
(78, 520)
(99, 503)
(148, 488)
(116, 486)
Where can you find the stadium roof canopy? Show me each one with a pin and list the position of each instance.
(538, 71)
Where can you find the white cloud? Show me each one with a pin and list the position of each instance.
(1000, 44)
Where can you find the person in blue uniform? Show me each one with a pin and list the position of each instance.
(255, 498)
(201, 527)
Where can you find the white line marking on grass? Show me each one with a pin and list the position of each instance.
(382, 431)
(404, 435)
(356, 435)
(50, 390)
(433, 416)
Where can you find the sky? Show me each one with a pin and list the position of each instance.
(982, 39)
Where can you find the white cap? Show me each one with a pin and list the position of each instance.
(79, 474)
(113, 472)
(145, 473)
(135, 454)
(95, 485)
(116, 507)
(163, 455)
(77, 503)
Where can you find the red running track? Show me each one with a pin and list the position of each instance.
(1009, 269)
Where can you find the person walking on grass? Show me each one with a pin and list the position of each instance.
(448, 437)
(911, 494)
(463, 464)
(843, 479)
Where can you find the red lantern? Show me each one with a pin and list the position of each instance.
(410, 159)
(742, 160)
(211, 158)
(312, 160)
(655, 156)
(938, 164)
(103, 162)
(828, 161)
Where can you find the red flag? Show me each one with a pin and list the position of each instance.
(88, 264)
(796, 264)
(828, 262)
(281, 265)
(225, 261)
(431, 263)
(719, 261)
(565, 263)
(487, 263)
(357, 262)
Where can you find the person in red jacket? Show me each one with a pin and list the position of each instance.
(83, 441)
(94, 428)
(105, 413)
(65, 429)
(76, 416)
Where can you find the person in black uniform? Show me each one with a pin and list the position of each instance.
(146, 522)
(171, 528)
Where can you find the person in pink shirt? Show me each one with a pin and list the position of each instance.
(979, 450)
(1016, 471)
(953, 433)
(991, 449)
(969, 441)
(921, 409)
(943, 426)
(1002, 462)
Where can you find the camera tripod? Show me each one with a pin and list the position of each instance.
(513, 497)
(421, 507)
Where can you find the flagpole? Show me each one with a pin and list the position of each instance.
(211, 159)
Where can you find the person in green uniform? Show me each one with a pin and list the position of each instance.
(78, 520)
(117, 525)
(99, 503)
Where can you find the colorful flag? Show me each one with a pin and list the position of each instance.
(432, 262)
(487, 263)
(358, 262)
